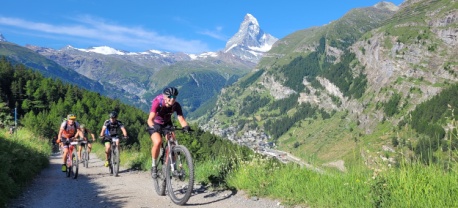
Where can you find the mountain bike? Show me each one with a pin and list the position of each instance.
(175, 169)
(84, 154)
(72, 159)
(113, 157)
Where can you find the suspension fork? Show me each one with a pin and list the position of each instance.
(170, 136)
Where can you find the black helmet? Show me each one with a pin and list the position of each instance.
(113, 114)
(170, 91)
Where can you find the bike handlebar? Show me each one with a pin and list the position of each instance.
(171, 128)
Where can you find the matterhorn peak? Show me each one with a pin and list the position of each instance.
(2, 39)
(250, 42)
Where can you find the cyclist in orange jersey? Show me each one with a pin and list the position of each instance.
(68, 129)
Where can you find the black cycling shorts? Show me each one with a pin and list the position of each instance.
(158, 128)
(88, 142)
(108, 139)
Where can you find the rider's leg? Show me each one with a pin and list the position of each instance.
(80, 148)
(89, 147)
(107, 152)
(155, 149)
(64, 157)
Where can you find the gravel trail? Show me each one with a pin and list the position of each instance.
(94, 187)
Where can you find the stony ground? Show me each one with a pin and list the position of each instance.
(94, 187)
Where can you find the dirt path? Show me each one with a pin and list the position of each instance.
(94, 187)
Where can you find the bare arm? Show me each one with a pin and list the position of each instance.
(182, 121)
(151, 119)
(60, 133)
(124, 132)
(103, 129)
(79, 134)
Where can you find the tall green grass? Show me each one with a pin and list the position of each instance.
(408, 184)
(413, 185)
(22, 156)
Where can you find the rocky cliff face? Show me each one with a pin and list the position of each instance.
(423, 61)
(412, 53)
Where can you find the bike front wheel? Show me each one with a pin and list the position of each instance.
(115, 160)
(85, 158)
(75, 164)
(180, 175)
(159, 181)
(68, 164)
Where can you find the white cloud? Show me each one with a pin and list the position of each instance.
(98, 30)
(217, 34)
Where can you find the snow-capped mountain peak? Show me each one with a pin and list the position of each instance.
(250, 42)
(104, 50)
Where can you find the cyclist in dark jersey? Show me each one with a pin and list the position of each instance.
(162, 109)
(109, 130)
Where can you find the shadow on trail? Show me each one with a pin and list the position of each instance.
(211, 195)
(52, 188)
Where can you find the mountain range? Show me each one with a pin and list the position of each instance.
(144, 74)
(323, 94)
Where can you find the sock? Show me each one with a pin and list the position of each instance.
(153, 162)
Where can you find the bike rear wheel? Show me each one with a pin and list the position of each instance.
(159, 181)
(115, 160)
(75, 164)
(180, 179)
(85, 157)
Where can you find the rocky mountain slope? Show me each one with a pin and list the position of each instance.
(323, 92)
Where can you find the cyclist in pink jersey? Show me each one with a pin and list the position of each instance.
(162, 109)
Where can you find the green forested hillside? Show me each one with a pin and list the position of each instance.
(41, 105)
(48, 68)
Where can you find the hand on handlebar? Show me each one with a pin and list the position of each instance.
(187, 129)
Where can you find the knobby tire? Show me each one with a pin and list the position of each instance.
(75, 164)
(180, 183)
(85, 157)
(69, 163)
(159, 181)
(115, 160)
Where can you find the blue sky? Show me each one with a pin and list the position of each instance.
(175, 26)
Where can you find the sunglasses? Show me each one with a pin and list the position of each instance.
(172, 97)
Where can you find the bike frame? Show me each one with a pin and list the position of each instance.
(171, 142)
(113, 168)
(72, 146)
(84, 153)
(175, 176)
